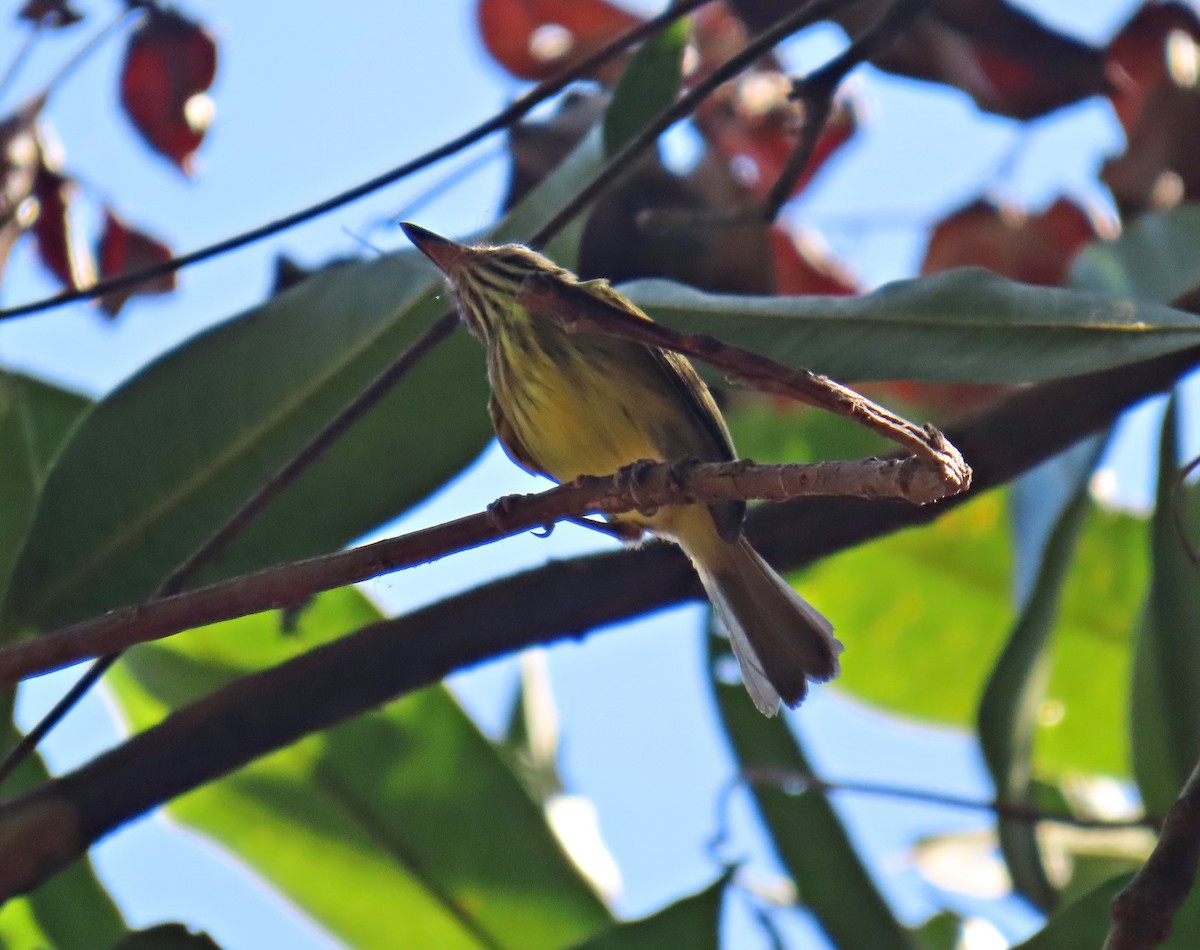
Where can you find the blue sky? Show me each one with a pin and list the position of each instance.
(310, 103)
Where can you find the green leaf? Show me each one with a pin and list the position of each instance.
(649, 84)
(168, 457)
(1081, 925)
(167, 937)
(1155, 258)
(691, 922)
(806, 832)
(1166, 717)
(35, 418)
(942, 931)
(923, 644)
(402, 827)
(965, 325)
(1055, 494)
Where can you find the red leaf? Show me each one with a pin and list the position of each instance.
(169, 63)
(534, 39)
(801, 267)
(1137, 56)
(754, 125)
(19, 154)
(1035, 249)
(57, 245)
(123, 250)
(53, 13)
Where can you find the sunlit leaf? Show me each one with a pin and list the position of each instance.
(650, 83)
(401, 827)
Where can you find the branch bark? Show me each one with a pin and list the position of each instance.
(46, 829)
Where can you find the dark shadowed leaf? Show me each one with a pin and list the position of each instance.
(35, 418)
(1156, 258)
(53, 13)
(1006, 60)
(1049, 506)
(833, 882)
(690, 922)
(1166, 721)
(123, 250)
(403, 827)
(1081, 925)
(169, 64)
(167, 937)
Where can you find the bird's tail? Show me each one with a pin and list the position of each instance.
(780, 640)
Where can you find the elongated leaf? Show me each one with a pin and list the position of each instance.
(167, 937)
(168, 457)
(1081, 925)
(965, 325)
(34, 420)
(400, 828)
(923, 644)
(806, 832)
(649, 84)
(690, 922)
(1166, 700)
(1049, 504)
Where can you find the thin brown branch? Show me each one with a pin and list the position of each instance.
(46, 829)
(815, 93)
(639, 487)
(790, 779)
(502, 120)
(581, 312)
(1143, 912)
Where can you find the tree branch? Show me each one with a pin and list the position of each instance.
(1143, 912)
(46, 829)
(581, 312)
(643, 487)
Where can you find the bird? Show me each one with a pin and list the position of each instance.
(569, 404)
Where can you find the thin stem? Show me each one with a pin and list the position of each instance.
(816, 91)
(497, 123)
(87, 49)
(14, 67)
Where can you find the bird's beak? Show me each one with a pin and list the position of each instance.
(446, 254)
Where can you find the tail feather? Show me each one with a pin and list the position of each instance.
(780, 640)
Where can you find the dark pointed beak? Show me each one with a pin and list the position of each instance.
(442, 251)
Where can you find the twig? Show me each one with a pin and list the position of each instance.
(46, 829)
(815, 92)
(498, 122)
(87, 49)
(789, 779)
(641, 486)
(35, 33)
(1143, 912)
(579, 311)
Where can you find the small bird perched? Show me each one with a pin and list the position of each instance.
(566, 405)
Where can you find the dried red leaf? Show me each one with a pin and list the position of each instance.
(534, 39)
(123, 250)
(801, 267)
(57, 244)
(755, 126)
(1035, 249)
(169, 63)
(52, 13)
(1159, 110)
(1006, 60)
(19, 156)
